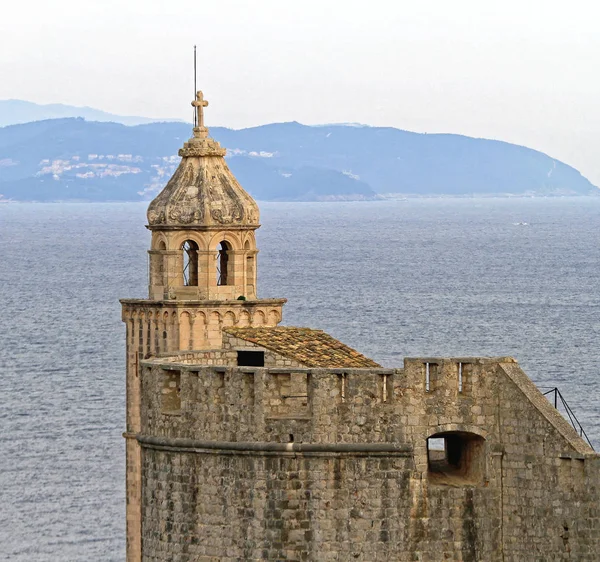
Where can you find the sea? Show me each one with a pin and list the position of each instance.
(393, 279)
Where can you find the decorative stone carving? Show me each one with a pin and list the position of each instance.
(156, 217)
(202, 192)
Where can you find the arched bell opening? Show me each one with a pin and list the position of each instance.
(455, 457)
(224, 273)
(190, 263)
(250, 271)
(157, 268)
(162, 247)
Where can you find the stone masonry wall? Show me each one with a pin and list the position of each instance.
(322, 508)
(158, 328)
(242, 472)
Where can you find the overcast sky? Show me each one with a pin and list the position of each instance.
(523, 71)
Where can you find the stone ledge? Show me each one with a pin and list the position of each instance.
(266, 448)
(202, 303)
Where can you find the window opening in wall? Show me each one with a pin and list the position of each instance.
(223, 250)
(386, 389)
(190, 263)
(466, 370)
(161, 260)
(455, 457)
(437, 448)
(251, 358)
(342, 383)
(430, 376)
(460, 378)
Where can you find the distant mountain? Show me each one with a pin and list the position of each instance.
(76, 159)
(13, 112)
(62, 159)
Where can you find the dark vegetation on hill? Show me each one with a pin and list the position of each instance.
(76, 159)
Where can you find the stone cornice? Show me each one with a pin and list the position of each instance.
(196, 151)
(202, 228)
(278, 449)
(203, 303)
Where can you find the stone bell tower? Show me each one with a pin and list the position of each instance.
(202, 278)
(203, 223)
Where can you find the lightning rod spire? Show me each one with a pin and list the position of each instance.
(195, 87)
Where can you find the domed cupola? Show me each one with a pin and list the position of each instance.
(203, 193)
(203, 223)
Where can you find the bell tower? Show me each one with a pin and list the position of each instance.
(203, 223)
(202, 278)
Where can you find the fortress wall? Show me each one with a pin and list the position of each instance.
(266, 404)
(550, 490)
(297, 507)
(332, 405)
(450, 395)
(526, 487)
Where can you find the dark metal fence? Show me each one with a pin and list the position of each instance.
(555, 396)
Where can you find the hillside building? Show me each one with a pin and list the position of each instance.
(248, 440)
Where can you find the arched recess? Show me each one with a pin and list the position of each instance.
(155, 333)
(244, 319)
(199, 336)
(132, 333)
(455, 457)
(185, 331)
(158, 265)
(273, 318)
(224, 263)
(190, 263)
(165, 332)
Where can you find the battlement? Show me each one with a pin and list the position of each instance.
(441, 377)
(206, 393)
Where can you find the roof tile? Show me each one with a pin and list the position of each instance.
(313, 348)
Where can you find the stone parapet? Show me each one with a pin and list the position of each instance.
(336, 464)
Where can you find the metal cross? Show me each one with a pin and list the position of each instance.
(200, 103)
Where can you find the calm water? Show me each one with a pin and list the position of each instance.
(393, 279)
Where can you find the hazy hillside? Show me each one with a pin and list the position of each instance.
(76, 159)
(13, 112)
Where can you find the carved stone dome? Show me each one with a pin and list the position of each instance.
(203, 192)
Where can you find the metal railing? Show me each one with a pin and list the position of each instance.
(554, 395)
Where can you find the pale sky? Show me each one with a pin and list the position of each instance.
(523, 71)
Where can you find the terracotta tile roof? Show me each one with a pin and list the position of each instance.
(312, 348)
